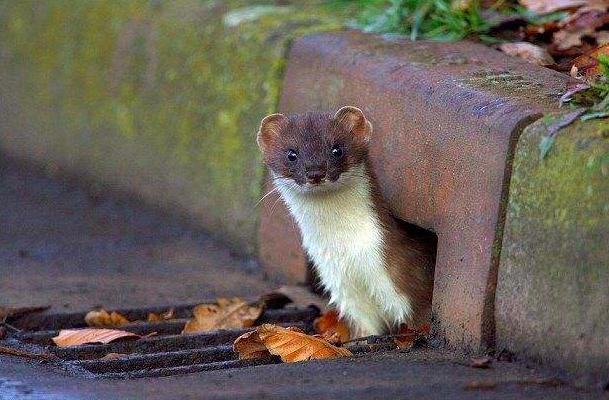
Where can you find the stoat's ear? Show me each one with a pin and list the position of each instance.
(353, 119)
(269, 130)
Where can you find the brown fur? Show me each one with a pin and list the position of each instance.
(409, 259)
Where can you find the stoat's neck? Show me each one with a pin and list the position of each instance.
(345, 204)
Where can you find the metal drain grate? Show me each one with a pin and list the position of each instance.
(167, 353)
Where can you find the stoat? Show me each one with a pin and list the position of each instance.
(377, 275)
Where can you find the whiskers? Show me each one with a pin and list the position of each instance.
(275, 189)
(277, 182)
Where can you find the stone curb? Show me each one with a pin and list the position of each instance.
(552, 295)
(446, 118)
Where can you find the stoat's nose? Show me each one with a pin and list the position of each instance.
(316, 175)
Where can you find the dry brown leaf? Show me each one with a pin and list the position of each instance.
(226, 314)
(528, 51)
(294, 346)
(165, 316)
(75, 337)
(249, 346)
(404, 341)
(113, 356)
(582, 24)
(406, 336)
(481, 362)
(602, 37)
(330, 337)
(481, 385)
(101, 318)
(587, 65)
(330, 325)
(549, 6)
(461, 5)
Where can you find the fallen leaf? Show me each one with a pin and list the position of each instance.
(602, 37)
(165, 316)
(481, 385)
(486, 385)
(549, 6)
(582, 24)
(101, 318)
(529, 52)
(587, 65)
(406, 336)
(75, 337)
(481, 362)
(113, 356)
(303, 297)
(330, 337)
(226, 314)
(461, 5)
(404, 341)
(294, 346)
(249, 346)
(547, 381)
(329, 325)
(17, 312)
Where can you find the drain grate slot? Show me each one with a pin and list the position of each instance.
(159, 360)
(53, 322)
(153, 373)
(167, 351)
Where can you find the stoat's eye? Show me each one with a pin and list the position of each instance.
(337, 151)
(292, 156)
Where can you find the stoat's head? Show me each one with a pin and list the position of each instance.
(315, 152)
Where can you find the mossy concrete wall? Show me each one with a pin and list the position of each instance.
(552, 299)
(160, 98)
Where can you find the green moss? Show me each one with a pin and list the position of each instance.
(570, 184)
(509, 84)
(163, 98)
(554, 271)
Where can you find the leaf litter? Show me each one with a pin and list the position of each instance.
(290, 344)
(330, 325)
(76, 337)
(232, 313)
(407, 337)
(103, 318)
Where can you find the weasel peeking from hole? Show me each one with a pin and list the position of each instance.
(377, 275)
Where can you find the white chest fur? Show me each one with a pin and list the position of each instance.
(342, 234)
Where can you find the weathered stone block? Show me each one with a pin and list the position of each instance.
(552, 301)
(446, 117)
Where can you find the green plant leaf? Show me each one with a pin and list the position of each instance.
(545, 144)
